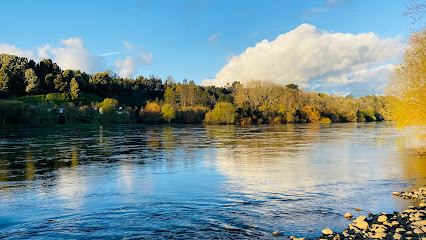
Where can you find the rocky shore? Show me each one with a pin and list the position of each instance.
(408, 224)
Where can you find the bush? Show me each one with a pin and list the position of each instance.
(151, 113)
(168, 112)
(223, 113)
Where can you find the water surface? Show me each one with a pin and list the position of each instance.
(196, 181)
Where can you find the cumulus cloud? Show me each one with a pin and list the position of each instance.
(69, 54)
(13, 50)
(136, 57)
(311, 58)
(73, 55)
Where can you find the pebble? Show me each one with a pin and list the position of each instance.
(397, 236)
(382, 219)
(408, 224)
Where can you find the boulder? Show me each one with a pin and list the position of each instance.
(327, 231)
(382, 219)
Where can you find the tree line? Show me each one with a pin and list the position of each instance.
(43, 93)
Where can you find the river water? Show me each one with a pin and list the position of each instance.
(199, 182)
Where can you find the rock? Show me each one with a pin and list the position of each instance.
(397, 236)
(398, 230)
(278, 234)
(422, 204)
(379, 235)
(382, 219)
(357, 209)
(380, 229)
(360, 218)
(419, 223)
(396, 194)
(395, 223)
(418, 231)
(348, 215)
(362, 225)
(327, 231)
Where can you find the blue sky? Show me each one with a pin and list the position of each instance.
(196, 39)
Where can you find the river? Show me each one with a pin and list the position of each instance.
(199, 182)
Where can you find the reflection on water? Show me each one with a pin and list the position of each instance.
(198, 181)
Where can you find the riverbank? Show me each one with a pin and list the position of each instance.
(408, 224)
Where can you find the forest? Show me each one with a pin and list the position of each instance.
(42, 94)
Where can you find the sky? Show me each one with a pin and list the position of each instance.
(333, 46)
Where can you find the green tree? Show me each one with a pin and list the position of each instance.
(223, 113)
(109, 106)
(74, 89)
(168, 112)
(102, 83)
(170, 96)
(61, 84)
(5, 82)
(32, 81)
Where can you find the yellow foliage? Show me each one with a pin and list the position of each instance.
(152, 107)
(312, 114)
(408, 86)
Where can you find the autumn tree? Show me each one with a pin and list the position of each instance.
(408, 85)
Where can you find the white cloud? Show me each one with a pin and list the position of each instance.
(323, 8)
(128, 46)
(136, 57)
(213, 39)
(309, 58)
(73, 55)
(13, 50)
(70, 54)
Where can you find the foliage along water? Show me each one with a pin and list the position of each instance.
(198, 181)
